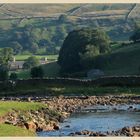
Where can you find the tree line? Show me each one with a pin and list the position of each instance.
(79, 52)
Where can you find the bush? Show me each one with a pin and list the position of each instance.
(3, 73)
(13, 76)
(31, 62)
(37, 72)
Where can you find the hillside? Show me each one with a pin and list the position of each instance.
(123, 61)
(114, 18)
(79, 10)
(42, 28)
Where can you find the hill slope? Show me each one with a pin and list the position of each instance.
(24, 10)
(40, 23)
(123, 61)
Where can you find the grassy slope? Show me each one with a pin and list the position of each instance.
(92, 91)
(49, 9)
(124, 61)
(56, 90)
(7, 26)
(23, 74)
(9, 130)
(7, 106)
(50, 69)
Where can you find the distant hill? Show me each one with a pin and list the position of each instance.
(46, 32)
(79, 10)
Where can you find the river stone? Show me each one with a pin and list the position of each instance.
(68, 126)
(78, 133)
(29, 99)
(136, 128)
(30, 126)
(55, 127)
(47, 128)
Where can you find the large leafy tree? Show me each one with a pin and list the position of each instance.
(17, 48)
(82, 43)
(31, 62)
(6, 55)
(37, 72)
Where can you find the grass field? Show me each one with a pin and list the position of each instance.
(71, 90)
(123, 61)
(50, 70)
(24, 57)
(9, 130)
(55, 90)
(23, 74)
(7, 106)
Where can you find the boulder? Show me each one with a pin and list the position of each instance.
(55, 127)
(68, 126)
(30, 126)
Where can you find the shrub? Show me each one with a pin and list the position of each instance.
(31, 62)
(37, 72)
(13, 76)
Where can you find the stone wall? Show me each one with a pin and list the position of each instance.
(104, 81)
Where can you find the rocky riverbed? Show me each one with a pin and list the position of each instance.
(43, 120)
(40, 120)
(125, 131)
(74, 103)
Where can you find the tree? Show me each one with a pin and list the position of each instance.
(81, 43)
(13, 76)
(31, 62)
(34, 47)
(6, 55)
(62, 18)
(17, 48)
(3, 73)
(37, 72)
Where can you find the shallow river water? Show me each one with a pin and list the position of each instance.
(98, 118)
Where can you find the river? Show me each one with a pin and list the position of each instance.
(99, 119)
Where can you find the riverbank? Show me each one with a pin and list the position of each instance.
(72, 104)
(44, 113)
(27, 118)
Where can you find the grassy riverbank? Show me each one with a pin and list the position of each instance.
(10, 130)
(8, 106)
